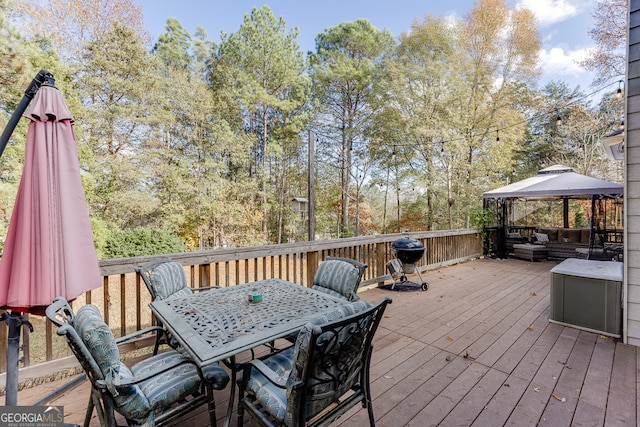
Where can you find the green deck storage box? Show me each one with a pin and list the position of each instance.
(587, 294)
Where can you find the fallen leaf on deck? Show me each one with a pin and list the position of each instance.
(536, 389)
(529, 328)
(533, 294)
(561, 399)
(449, 339)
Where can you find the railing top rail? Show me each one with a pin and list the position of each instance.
(127, 265)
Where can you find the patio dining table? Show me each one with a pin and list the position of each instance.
(218, 324)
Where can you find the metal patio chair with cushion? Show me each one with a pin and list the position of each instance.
(164, 279)
(339, 277)
(152, 392)
(320, 378)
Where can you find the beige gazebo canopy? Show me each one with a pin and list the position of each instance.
(556, 181)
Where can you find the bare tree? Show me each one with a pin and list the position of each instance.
(609, 32)
(69, 24)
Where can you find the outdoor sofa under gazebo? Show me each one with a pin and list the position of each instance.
(559, 183)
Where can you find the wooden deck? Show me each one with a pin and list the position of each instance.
(476, 349)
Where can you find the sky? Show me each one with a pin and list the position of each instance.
(563, 24)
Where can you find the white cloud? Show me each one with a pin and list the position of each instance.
(549, 12)
(558, 63)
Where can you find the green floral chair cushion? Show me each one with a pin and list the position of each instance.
(287, 365)
(338, 278)
(101, 343)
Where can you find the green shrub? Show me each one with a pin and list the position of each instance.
(101, 233)
(141, 241)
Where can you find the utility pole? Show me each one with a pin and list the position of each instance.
(312, 201)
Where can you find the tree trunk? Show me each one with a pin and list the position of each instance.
(357, 218)
(345, 183)
(450, 199)
(397, 201)
(265, 212)
(384, 210)
(282, 205)
(429, 193)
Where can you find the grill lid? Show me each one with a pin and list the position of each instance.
(407, 244)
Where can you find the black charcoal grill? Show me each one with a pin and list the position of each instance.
(407, 253)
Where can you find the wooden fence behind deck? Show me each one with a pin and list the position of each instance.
(123, 298)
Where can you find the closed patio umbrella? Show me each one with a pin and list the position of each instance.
(49, 248)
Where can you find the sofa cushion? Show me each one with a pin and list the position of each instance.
(562, 235)
(541, 237)
(585, 234)
(573, 234)
(551, 232)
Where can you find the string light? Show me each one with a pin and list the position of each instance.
(558, 119)
(498, 135)
(619, 91)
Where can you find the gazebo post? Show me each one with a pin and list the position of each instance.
(502, 230)
(565, 212)
(593, 227)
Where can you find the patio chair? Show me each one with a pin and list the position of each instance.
(339, 277)
(164, 279)
(154, 391)
(324, 375)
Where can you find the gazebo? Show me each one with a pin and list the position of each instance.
(557, 182)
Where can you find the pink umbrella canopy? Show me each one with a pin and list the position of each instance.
(49, 248)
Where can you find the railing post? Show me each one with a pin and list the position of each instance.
(204, 273)
(312, 266)
(380, 257)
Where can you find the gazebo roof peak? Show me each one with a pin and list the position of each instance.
(556, 169)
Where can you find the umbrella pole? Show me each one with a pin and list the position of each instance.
(43, 77)
(14, 322)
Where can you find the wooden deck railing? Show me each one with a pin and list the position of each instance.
(123, 297)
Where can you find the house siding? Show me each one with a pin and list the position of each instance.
(631, 305)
